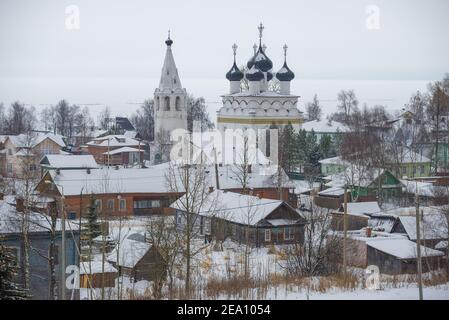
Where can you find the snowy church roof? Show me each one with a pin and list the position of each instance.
(169, 76)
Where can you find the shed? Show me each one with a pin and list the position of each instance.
(434, 228)
(138, 259)
(398, 256)
(93, 272)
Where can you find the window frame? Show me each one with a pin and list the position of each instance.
(267, 232)
(120, 205)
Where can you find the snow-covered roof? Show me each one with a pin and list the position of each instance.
(425, 189)
(355, 176)
(11, 220)
(122, 150)
(334, 160)
(93, 267)
(362, 208)
(154, 179)
(333, 191)
(231, 206)
(114, 141)
(441, 245)
(433, 226)
(69, 161)
(130, 134)
(29, 141)
(281, 222)
(130, 253)
(402, 248)
(324, 126)
(408, 156)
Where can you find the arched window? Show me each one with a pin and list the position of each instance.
(178, 104)
(157, 103)
(167, 104)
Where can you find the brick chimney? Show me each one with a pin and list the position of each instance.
(368, 231)
(19, 205)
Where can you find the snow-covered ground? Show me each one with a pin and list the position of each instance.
(224, 263)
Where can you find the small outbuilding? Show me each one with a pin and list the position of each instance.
(399, 256)
(137, 259)
(95, 274)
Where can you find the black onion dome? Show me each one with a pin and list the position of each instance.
(254, 74)
(285, 74)
(234, 74)
(251, 62)
(262, 62)
(269, 76)
(169, 42)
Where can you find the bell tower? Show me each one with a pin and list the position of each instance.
(170, 98)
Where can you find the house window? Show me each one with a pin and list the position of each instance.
(71, 215)
(122, 204)
(267, 235)
(404, 170)
(207, 224)
(98, 204)
(178, 219)
(33, 167)
(110, 204)
(9, 152)
(421, 169)
(145, 204)
(289, 233)
(9, 167)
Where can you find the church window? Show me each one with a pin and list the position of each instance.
(167, 104)
(178, 104)
(157, 103)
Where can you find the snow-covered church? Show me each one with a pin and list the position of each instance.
(259, 106)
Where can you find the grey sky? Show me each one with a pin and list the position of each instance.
(326, 39)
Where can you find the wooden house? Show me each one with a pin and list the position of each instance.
(243, 218)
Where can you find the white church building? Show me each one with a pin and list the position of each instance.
(258, 107)
(170, 107)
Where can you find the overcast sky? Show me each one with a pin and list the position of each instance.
(326, 39)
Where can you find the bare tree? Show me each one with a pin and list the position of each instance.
(319, 254)
(313, 109)
(143, 120)
(164, 237)
(347, 102)
(192, 181)
(20, 119)
(104, 118)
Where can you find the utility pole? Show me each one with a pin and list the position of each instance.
(345, 230)
(418, 243)
(63, 262)
(217, 180)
